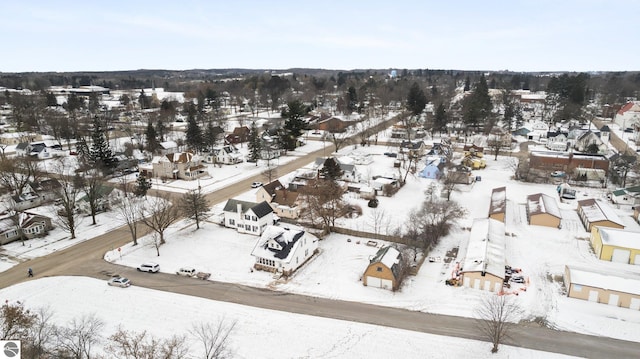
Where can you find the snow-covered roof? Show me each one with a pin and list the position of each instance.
(596, 210)
(542, 203)
(390, 257)
(485, 252)
(619, 282)
(287, 239)
(619, 237)
(498, 200)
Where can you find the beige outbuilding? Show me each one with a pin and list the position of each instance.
(617, 289)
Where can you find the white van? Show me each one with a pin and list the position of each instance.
(149, 267)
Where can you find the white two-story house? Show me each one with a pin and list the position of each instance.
(248, 217)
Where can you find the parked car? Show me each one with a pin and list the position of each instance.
(517, 279)
(391, 154)
(149, 267)
(256, 184)
(119, 282)
(186, 271)
(558, 174)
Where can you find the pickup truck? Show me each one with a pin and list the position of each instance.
(191, 272)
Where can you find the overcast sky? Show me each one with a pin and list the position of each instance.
(542, 35)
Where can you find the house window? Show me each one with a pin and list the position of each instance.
(379, 269)
(254, 218)
(240, 226)
(577, 288)
(306, 252)
(255, 228)
(232, 222)
(247, 217)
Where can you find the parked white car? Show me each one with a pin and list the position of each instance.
(186, 271)
(149, 267)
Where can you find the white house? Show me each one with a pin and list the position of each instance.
(227, 155)
(168, 147)
(248, 217)
(283, 249)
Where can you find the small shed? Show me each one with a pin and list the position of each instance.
(617, 289)
(498, 205)
(594, 212)
(543, 210)
(384, 269)
(616, 245)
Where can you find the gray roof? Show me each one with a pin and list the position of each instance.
(260, 209)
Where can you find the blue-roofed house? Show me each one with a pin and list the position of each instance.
(434, 168)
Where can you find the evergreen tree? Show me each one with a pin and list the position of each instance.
(83, 150)
(255, 144)
(211, 135)
(294, 123)
(152, 138)
(352, 99)
(143, 184)
(100, 153)
(194, 134)
(416, 100)
(331, 170)
(467, 84)
(440, 121)
(477, 106)
(51, 99)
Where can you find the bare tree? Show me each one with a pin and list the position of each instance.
(15, 321)
(41, 334)
(337, 134)
(159, 215)
(194, 204)
(78, 338)
(449, 182)
(17, 172)
(495, 316)
(432, 221)
(214, 338)
(270, 173)
(130, 345)
(323, 201)
(91, 185)
(128, 211)
(67, 194)
(379, 219)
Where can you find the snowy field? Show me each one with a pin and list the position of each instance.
(258, 333)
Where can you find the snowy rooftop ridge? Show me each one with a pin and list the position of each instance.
(596, 210)
(542, 203)
(485, 252)
(619, 282)
(619, 237)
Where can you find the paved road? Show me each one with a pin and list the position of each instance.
(86, 259)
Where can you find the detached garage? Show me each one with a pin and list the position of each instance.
(543, 210)
(615, 289)
(384, 269)
(483, 265)
(594, 212)
(616, 245)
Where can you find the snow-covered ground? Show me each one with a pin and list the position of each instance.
(258, 333)
(336, 272)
